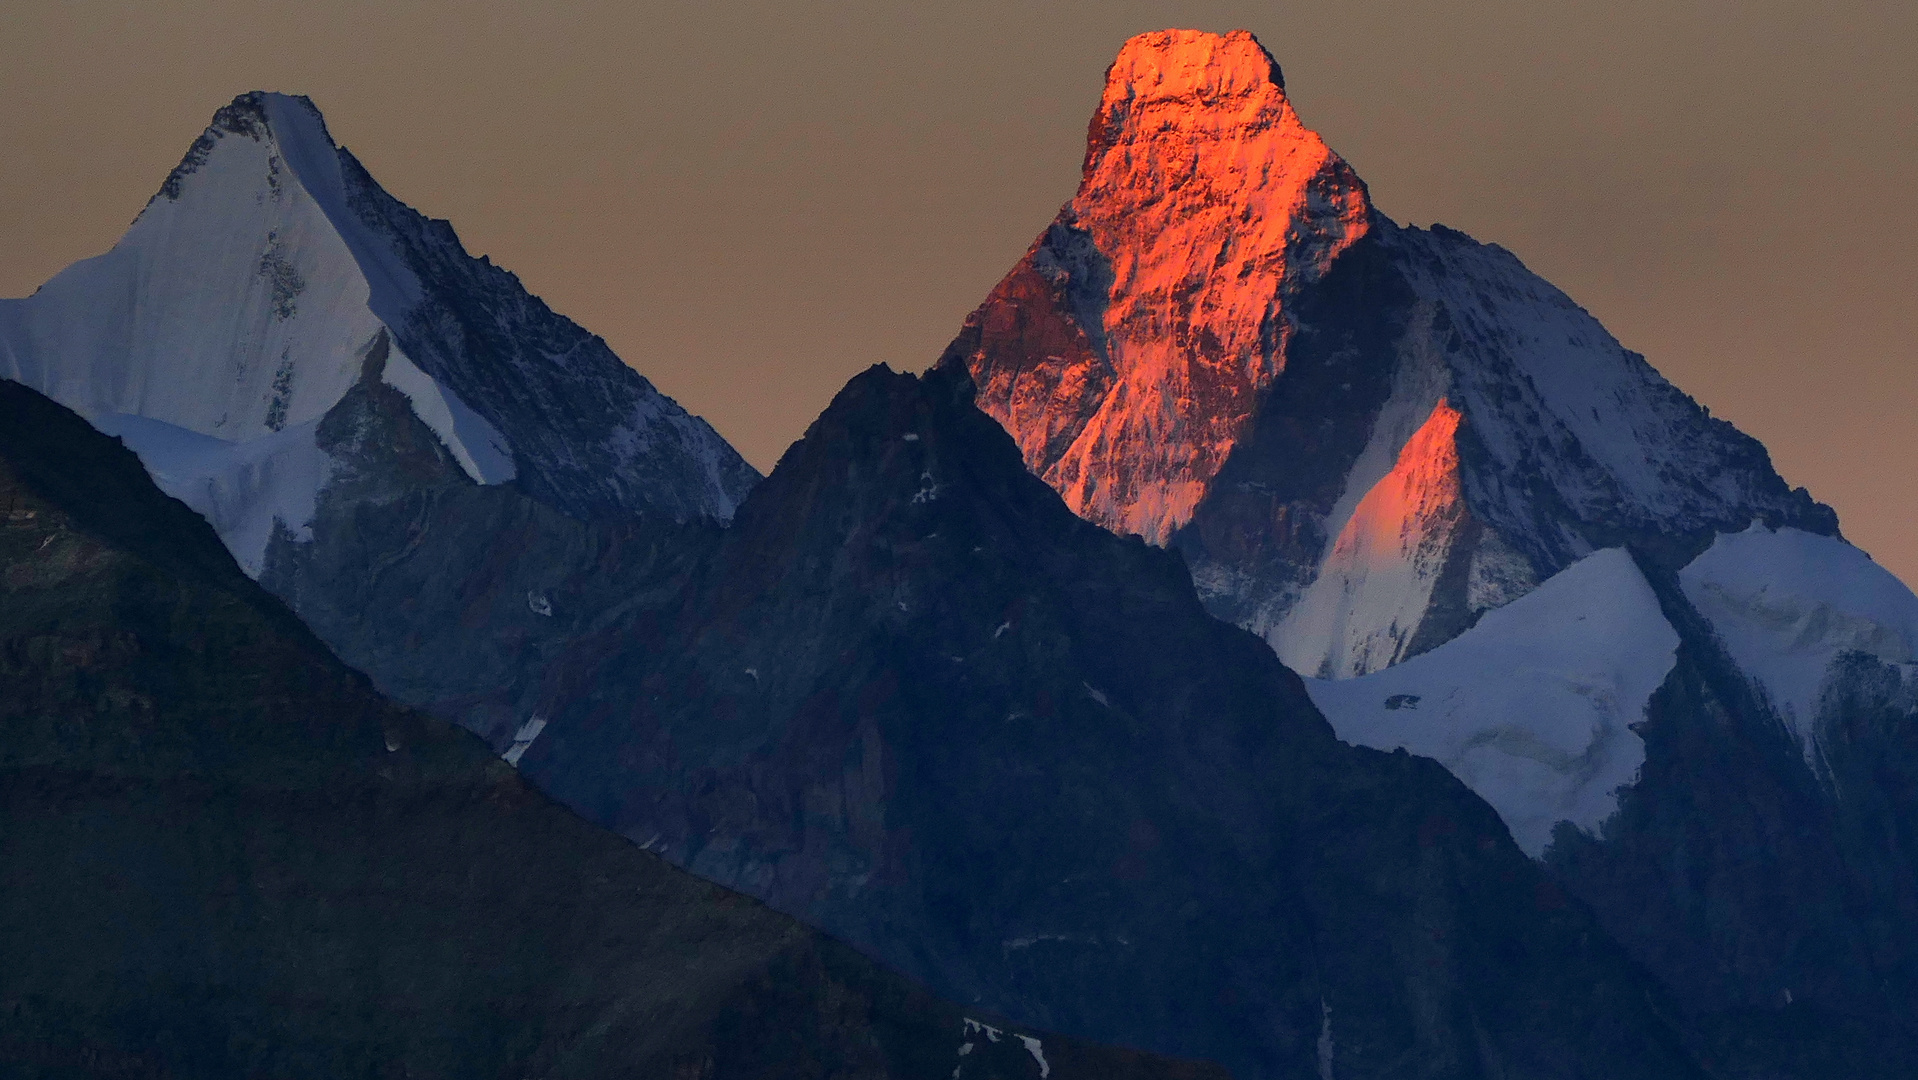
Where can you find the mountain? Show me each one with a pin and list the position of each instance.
(252, 295)
(1489, 534)
(909, 697)
(227, 856)
(1362, 436)
(912, 695)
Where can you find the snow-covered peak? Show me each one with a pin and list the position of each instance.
(1787, 604)
(256, 288)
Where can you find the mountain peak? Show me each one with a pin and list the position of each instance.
(1157, 302)
(242, 305)
(1169, 63)
(258, 115)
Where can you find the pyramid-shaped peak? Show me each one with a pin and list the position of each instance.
(1186, 63)
(247, 113)
(289, 120)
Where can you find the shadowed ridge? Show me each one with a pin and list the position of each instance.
(912, 698)
(226, 857)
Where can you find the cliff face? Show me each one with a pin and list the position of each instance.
(226, 856)
(1127, 350)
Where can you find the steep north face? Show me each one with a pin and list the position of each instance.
(246, 299)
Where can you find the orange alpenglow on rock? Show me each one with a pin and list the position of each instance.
(1373, 589)
(1126, 350)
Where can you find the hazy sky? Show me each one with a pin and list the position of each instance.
(753, 201)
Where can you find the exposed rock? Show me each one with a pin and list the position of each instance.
(225, 855)
(910, 697)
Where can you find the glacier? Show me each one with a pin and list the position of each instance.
(1534, 707)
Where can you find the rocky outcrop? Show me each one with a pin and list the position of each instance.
(227, 856)
(1127, 351)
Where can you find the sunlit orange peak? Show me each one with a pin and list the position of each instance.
(1207, 205)
(1180, 63)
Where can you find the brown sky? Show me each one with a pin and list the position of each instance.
(754, 200)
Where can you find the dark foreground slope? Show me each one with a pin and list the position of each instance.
(221, 854)
(911, 697)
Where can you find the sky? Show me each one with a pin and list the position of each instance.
(752, 201)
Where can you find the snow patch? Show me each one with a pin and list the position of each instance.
(1325, 1040)
(1533, 707)
(524, 737)
(1038, 1054)
(1376, 583)
(977, 1026)
(1787, 603)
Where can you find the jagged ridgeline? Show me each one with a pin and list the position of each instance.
(225, 855)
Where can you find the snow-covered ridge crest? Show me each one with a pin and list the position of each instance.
(1788, 604)
(1126, 350)
(242, 303)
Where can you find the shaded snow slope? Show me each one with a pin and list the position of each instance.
(242, 488)
(1788, 604)
(242, 304)
(1533, 707)
(1558, 442)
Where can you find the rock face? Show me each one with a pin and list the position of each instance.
(910, 697)
(246, 300)
(1127, 350)
(1362, 436)
(226, 856)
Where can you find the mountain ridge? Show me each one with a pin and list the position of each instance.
(228, 857)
